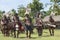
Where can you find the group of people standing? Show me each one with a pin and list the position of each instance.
(11, 25)
(16, 25)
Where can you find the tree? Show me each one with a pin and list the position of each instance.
(35, 6)
(21, 11)
(13, 11)
(55, 7)
(1, 13)
(56, 1)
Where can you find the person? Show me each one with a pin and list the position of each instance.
(28, 22)
(9, 19)
(51, 28)
(39, 25)
(17, 24)
(5, 25)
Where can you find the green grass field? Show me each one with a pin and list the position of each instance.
(45, 36)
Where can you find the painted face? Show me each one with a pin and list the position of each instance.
(26, 18)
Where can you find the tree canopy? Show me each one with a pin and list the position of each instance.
(35, 6)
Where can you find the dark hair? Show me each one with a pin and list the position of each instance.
(27, 15)
(51, 19)
(4, 16)
(15, 14)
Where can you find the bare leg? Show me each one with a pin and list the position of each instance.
(30, 34)
(27, 33)
(17, 33)
(14, 33)
(50, 31)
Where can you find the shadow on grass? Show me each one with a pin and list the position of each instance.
(46, 36)
(45, 32)
(33, 37)
(30, 38)
(22, 37)
(51, 36)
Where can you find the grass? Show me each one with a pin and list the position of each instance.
(45, 36)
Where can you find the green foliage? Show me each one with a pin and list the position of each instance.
(55, 1)
(13, 11)
(1, 13)
(21, 11)
(44, 14)
(48, 12)
(55, 8)
(35, 6)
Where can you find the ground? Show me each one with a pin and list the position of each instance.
(45, 36)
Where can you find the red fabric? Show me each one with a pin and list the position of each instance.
(21, 28)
